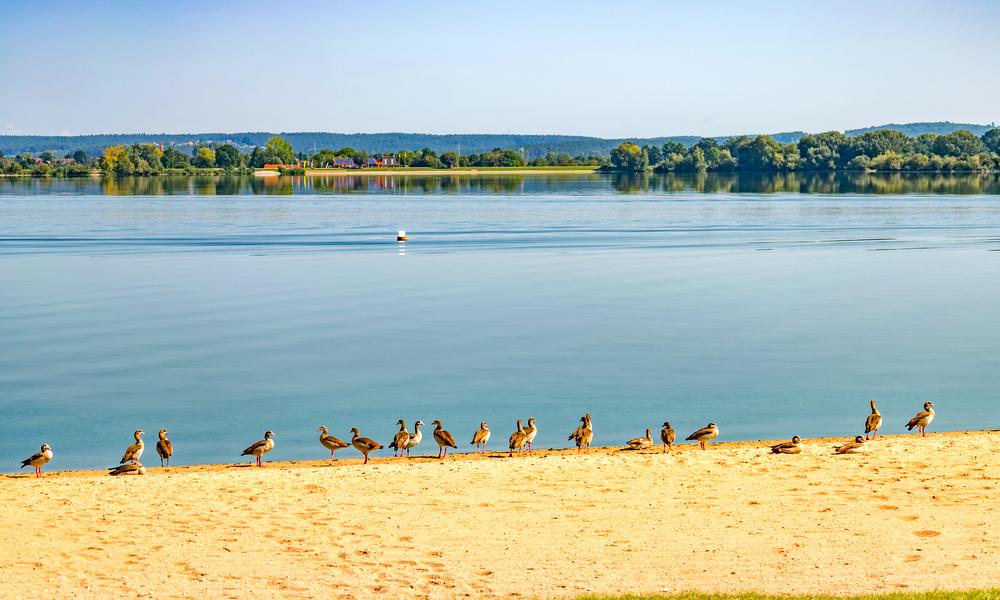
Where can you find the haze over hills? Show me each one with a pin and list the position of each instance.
(534, 146)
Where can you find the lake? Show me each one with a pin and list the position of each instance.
(221, 307)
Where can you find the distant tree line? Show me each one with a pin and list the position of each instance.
(881, 150)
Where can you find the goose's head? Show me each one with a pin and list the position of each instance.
(482, 425)
(712, 425)
(268, 435)
(531, 420)
(162, 433)
(418, 422)
(860, 439)
(928, 405)
(666, 425)
(46, 448)
(138, 433)
(400, 422)
(355, 432)
(796, 439)
(323, 429)
(437, 424)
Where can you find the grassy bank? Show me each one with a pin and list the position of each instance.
(973, 595)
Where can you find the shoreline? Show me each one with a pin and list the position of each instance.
(354, 458)
(913, 514)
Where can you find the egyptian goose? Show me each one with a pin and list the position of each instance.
(415, 437)
(640, 443)
(481, 437)
(858, 445)
(38, 460)
(129, 469)
(530, 432)
(399, 441)
(362, 444)
(134, 452)
(873, 422)
(923, 419)
(444, 439)
(709, 432)
(792, 447)
(330, 442)
(517, 439)
(259, 449)
(164, 448)
(584, 434)
(667, 436)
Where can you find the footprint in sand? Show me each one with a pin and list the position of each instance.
(912, 558)
(926, 533)
(910, 518)
(888, 507)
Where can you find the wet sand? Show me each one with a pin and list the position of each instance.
(912, 514)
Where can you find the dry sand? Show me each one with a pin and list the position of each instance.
(913, 514)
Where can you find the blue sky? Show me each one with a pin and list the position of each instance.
(594, 68)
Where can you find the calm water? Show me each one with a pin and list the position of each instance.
(219, 308)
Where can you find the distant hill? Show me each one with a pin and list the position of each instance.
(534, 145)
(915, 129)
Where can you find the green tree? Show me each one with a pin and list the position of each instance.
(174, 159)
(824, 151)
(256, 159)
(204, 158)
(450, 159)
(958, 143)
(881, 141)
(629, 157)
(227, 156)
(278, 150)
(991, 139)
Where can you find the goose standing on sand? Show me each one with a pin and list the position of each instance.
(584, 434)
(259, 449)
(873, 422)
(709, 432)
(399, 441)
(792, 447)
(922, 420)
(415, 437)
(640, 443)
(481, 437)
(530, 432)
(362, 444)
(667, 436)
(330, 442)
(164, 447)
(129, 469)
(855, 447)
(517, 439)
(38, 460)
(444, 439)
(134, 452)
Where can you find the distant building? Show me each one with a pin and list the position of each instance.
(344, 163)
(389, 160)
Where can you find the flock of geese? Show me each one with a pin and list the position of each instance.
(521, 440)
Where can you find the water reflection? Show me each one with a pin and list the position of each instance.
(711, 183)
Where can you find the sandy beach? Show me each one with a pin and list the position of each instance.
(912, 514)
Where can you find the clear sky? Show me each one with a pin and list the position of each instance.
(609, 68)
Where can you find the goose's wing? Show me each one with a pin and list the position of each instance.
(701, 432)
(447, 438)
(920, 417)
(872, 423)
(31, 459)
(369, 443)
(400, 440)
(165, 448)
(667, 435)
(577, 433)
(130, 452)
(477, 438)
(253, 447)
(335, 441)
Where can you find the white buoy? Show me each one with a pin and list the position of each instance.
(401, 235)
